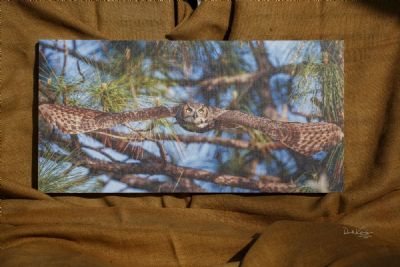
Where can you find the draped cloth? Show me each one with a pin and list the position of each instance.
(208, 230)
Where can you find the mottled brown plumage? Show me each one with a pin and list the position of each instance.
(305, 138)
(74, 120)
(195, 117)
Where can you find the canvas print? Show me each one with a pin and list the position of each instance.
(190, 116)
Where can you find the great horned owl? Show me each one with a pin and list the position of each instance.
(195, 117)
(305, 138)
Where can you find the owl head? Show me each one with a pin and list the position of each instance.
(195, 117)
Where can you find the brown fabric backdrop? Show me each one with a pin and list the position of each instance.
(208, 230)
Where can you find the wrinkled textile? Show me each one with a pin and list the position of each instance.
(208, 230)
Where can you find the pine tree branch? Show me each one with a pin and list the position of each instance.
(178, 183)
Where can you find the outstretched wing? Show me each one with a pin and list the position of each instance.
(305, 138)
(309, 138)
(73, 120)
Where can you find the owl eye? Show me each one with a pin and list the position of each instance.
(187, 110)
(201, 111)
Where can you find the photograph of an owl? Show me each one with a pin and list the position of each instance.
(190, 116)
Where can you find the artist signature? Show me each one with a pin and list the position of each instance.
(362, 233)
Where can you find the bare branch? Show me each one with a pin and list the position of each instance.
(157, 166)
(260, 55)
(309, 117)
(135, 181)
(131, 180)
(98, 150)
(75, 54)
(45, 93)
(293, 69)
(236, 143)
(124, 147)
(65, 51)
(210, 84)
(162, 152)
(177, 171)
(80, 72)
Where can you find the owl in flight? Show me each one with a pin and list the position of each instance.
(304, 138)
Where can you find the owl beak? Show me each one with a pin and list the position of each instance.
(195, 115)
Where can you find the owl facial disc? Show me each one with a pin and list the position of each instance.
(195, 117)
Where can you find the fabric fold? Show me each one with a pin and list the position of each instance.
(210, 21)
